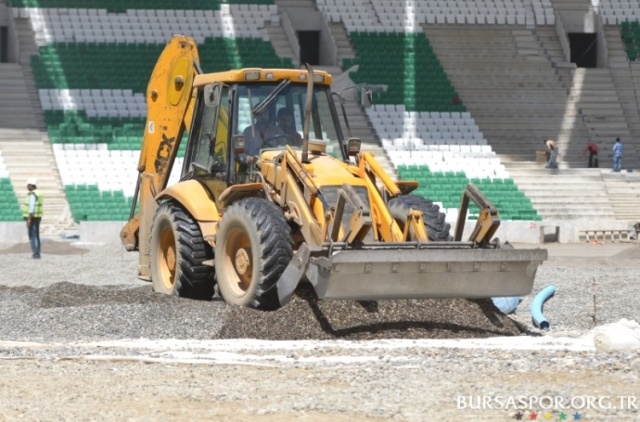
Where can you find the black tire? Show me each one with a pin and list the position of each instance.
(177, 252)
(253, 248)
(434, 219)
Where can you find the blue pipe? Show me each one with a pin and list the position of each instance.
(506, 305)
(536, 307)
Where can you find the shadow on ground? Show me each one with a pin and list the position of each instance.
(48, 247)
(306, 317)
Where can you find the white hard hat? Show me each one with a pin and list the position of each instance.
(32, 181)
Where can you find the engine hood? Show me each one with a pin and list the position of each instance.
(324, 169)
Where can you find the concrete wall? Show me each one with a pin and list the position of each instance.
(563, 38)
(575, 21)
(512, 231)
(292, 37)
(533, 231)
(101, 231)
(13, 233)
(603, 47)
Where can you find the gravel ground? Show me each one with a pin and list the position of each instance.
(80, 332)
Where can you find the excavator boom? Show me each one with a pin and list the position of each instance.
(169, 112)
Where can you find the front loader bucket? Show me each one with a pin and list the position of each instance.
(425, 273)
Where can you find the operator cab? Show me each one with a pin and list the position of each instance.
(271, 115)
(237, 120)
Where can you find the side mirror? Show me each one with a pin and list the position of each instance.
(366, 97)
(238, 144)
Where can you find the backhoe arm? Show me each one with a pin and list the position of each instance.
(386, 225)
(169, 111)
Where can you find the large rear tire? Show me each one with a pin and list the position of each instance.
(177, 254)
(253, 248)
(434, 219)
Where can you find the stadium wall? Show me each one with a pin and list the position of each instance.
(512, 231)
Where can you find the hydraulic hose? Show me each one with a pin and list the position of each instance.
(536, 307)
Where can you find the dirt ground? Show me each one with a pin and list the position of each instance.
(71, 389)
(234, 379)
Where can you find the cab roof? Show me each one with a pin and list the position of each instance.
(250, 75)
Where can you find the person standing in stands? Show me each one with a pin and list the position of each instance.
(593, 150)
(617, 155)
(552, 154)
(32, 213)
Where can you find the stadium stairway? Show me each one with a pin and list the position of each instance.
(278, 36)
(361, 128)
(27, 153)
(600, 93)
(554, 193)
(513, 93)
(595, 94)
(519, 104)
(280, 43)
(572, 193)
(16, 107)
(606, 97)
(623, 190)
(341, 37)
(23, 139)
(625, 76)
(18, 96)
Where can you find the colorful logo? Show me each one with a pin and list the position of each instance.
(547, 416)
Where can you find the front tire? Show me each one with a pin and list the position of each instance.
(434, 219)
(253, 248)
(177, 254)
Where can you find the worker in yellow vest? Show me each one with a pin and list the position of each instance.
(32, 213)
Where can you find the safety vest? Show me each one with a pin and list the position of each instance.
(38, 210)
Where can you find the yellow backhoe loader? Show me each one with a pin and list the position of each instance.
(257, 211)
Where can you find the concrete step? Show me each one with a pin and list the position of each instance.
(27, 153)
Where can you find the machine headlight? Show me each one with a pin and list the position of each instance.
(251, 75)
